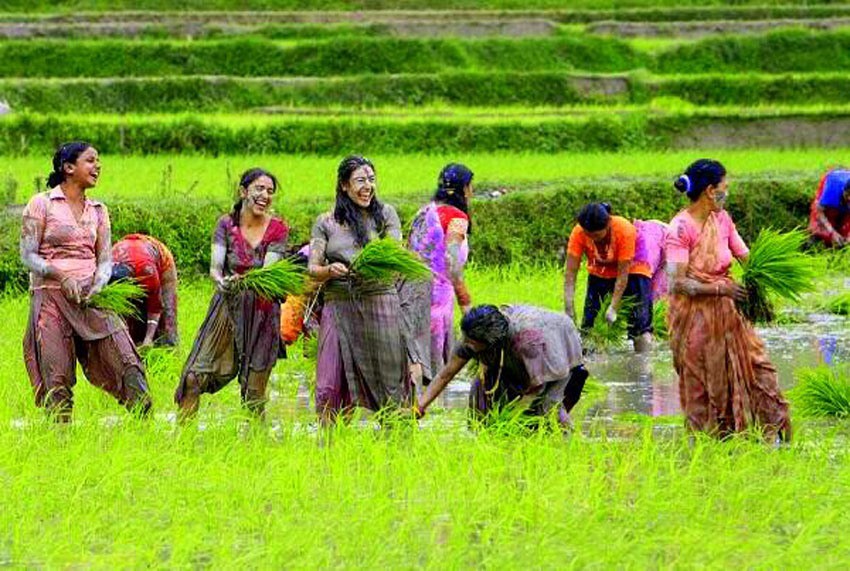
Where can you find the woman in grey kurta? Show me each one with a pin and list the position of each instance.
(526, 354)
(361, 357)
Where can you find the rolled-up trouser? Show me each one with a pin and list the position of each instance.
(52, 347)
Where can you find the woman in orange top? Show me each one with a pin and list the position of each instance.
(609, 244)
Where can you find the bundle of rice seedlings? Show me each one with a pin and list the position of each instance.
(776, 266)
(659, 320)
(120, 296)
(604, 335)
(822, 392)
(275, 281)
(386, 260)
(839, 304)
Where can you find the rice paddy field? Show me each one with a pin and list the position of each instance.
(551, 103)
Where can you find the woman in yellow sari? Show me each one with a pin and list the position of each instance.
(727, 383)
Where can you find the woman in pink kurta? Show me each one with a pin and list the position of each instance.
(65, 244)
(727, 383)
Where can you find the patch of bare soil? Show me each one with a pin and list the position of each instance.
(702, 29)
(775, 132)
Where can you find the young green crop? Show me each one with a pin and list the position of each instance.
(838, 304)
(275, 281)
(603, 335)
(777, 266)
(386, 260)
(121, 296)
(659, 320)
(822, 392)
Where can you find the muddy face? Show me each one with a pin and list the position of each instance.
(361, 186)
(257, 198)
(85, 171)
(719, 195)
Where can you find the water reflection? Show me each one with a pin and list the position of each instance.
(647, 384)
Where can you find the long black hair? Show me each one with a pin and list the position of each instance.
(245, 180)
(67, 153)
(346, 212)
(594, 217)
(700, 175)
(451, 182)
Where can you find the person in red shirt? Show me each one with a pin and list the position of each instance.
(829, 220)
(609, 244)
(151, 264)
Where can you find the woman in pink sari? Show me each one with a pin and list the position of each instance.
(440, 235)
(727, 384)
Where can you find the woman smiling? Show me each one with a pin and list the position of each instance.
(362, 359)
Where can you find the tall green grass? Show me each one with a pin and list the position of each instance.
(112, 491)
(822, 392)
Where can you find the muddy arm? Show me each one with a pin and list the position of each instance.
(570, 273)
(31, 232)
(451, 369)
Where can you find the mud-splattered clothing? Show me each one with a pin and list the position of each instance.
(726, 381)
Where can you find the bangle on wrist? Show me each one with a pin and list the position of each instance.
(154, 321)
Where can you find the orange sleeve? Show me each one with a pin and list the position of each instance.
(291, 319)
(626, 238)
(576, 244)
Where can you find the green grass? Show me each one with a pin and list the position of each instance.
(838, 304)
(311, 178)
(110, 491)
(822, 392)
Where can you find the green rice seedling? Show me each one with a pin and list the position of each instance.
(822, 392)
(776, 266)
(659, 320)
(604, 335)
(120, 297)
(838, 304)
(275, 281)
(385, 260)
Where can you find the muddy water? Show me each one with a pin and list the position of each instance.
(647, 384)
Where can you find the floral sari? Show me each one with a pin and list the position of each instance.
(726, 381)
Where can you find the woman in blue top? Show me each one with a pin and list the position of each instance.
(830, 214)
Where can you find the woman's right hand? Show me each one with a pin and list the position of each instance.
(337, 270)
(71, 289)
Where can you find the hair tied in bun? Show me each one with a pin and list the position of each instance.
(683, 184)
